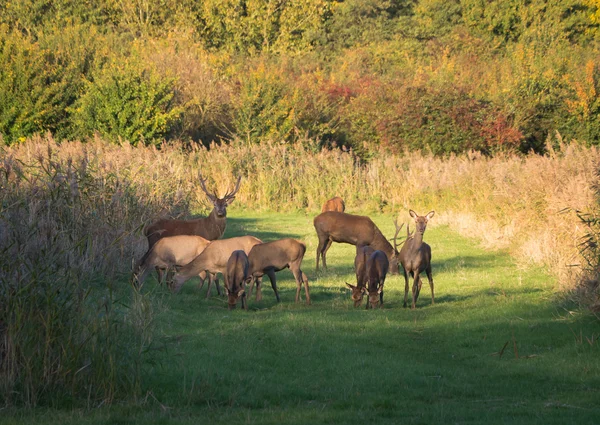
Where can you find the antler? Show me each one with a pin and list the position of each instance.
(398, 228)
(237, 187)
(212, 197)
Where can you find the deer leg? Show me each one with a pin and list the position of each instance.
(301, 278)
(259, 288)
(306, 290)
(211, 277)
(159, 272)
(325, 249)
(415, 289)
(244, 304)
(405, 286)
(273, 280)
(430, 279)
(202, 277)
(319, 249)
(217, 284)
(381, 294)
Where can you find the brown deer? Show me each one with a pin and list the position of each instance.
(213, 260)
(235, 278)
(334, 204)
(271, 257)
(210, 228)
(415, 257)
(377, 268)
(360, 266)
(353, 229)
(169, 252)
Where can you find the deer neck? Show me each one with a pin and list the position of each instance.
(416, 241)
(216, 225)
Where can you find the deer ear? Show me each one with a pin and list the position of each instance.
(350, 286)
(413, 214)
(240, 292)
(429, 215)
(229, 201)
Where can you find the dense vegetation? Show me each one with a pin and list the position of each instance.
(390, 104)
(449, 76)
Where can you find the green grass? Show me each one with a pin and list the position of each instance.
(329, 363)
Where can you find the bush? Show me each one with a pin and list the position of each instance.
(127, 100)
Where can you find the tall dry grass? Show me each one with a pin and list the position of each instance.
(526, 204)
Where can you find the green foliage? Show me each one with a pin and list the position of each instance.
(127, 100)
(40, 80)
(262, 107)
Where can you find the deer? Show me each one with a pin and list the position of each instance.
(334, 204)
(363, 252)
(415, 257)
(213, 260)
(376, 270)
(169, 252)
(332, 226)
(210, 228)
(235, 278)
(271, 257)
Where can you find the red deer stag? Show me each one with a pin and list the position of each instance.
(334, 204)
(235, 278)
(271, 257)
(169, 252)
(210, 228)
(213, 260)
(360, 267)
(415, 257)
(377, 268)
(353, 229)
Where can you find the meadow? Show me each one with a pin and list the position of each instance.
(499, 346)
(506, 342)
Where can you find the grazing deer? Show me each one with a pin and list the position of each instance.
(271, 257)
(213, 260)
(334, 204)
(235, 278)
(360, 266)
(377, 268)
(169, 252)
(415, 257)
(210, 228)
(353, 229)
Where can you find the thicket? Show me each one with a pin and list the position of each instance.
(380, 74)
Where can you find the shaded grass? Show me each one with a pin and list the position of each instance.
(497, 347)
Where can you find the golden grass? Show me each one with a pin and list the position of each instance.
(526, 204)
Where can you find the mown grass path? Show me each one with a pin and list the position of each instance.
(497, 347)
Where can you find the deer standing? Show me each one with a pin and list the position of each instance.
(213, 260)
(271, 257)
(210, 228)
(360, 267)
(169, 252)
(356, 230)
(377, 268)
(415, 257)
(235, 278)
(334, 204)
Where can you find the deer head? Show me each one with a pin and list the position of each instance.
(232, 297)
(357, 293)
(421, 221)
(220, 204)
(374, 296)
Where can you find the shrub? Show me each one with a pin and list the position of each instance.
(127, 100)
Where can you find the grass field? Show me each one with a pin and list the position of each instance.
(499, 346)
